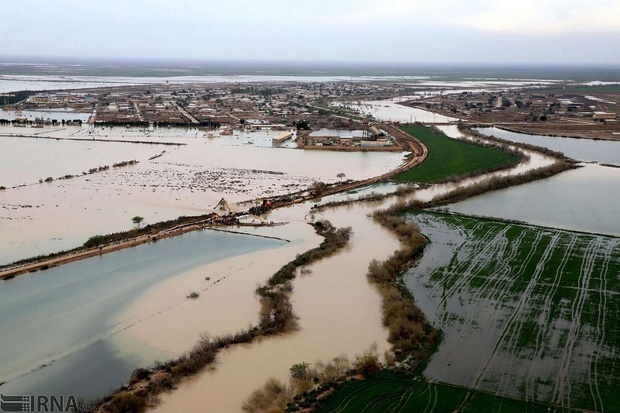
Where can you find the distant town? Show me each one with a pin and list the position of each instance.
(550, 109)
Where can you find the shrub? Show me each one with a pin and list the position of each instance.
(95, 241)
(273, 396)
(299, 370)
(126, 402)
(368, 363)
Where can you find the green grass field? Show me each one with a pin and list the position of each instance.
(449, 157)
(390, 392)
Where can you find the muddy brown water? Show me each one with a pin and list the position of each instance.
(187, 180)
(339, 313)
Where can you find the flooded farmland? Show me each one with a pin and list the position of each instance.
(583, 199)
(526, 312)
(181, 180)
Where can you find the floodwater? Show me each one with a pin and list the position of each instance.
(339, 313)
(62, 324)
(580, 149)
(338, 132)
(25, 161)
(390, 111)
(584, 199)
(533, 328)
(31, 115)
(227, 301)
(184, 180)
(13, 83)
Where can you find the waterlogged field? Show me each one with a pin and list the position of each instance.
(169, 180)
(527, 312)
(391, 392)
(449, 157)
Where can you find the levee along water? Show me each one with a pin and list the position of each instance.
(581, 149)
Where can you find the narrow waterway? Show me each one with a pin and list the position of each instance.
(391, 111)
(339, 313)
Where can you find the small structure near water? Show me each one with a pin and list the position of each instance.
(345, 139)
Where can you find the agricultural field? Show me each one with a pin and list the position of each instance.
(527, 312)
(529, 317)
(449, 157)
(390, 392)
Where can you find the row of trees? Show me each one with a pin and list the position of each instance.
(41, 121)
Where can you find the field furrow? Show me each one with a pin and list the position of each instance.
(527, 312)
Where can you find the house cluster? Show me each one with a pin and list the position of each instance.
(519, 106)
(63, 100)
(251, 104)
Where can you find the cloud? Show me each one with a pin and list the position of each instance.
(373, 12)
(551, 17)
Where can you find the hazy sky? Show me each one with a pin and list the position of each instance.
(543, 31)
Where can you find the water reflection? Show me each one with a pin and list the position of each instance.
(581, 149)
(584, 199)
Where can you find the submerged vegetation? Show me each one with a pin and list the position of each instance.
(397, 392)
(413, 339)
(549, 301)
(309, 384)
